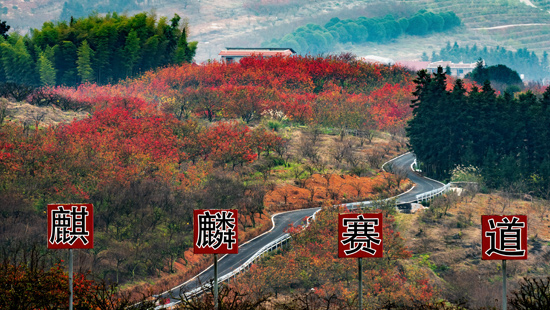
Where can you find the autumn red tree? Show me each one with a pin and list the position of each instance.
(312, 261)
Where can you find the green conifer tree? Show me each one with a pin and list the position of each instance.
(46, 70)
(131, 52)
(65, 62)
(105, 37)
(185, 51)
(84, 62)
(4, 29)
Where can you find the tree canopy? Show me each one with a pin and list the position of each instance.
(501, 76)
(523, 61)
(314, 38)
(4, 29)
(505, 137)
(101, 49)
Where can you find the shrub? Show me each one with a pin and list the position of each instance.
(17, 92)
(43, 97)
(533, 294)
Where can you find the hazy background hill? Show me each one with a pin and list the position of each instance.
(512, 24)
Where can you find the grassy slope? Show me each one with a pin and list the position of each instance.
(450, 246)
(46, 116)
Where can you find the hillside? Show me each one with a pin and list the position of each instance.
(30, 115)
(446, 239)
(151, 150)
(218, 24)
(433, 255)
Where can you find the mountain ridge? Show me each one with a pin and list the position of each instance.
(218, 24)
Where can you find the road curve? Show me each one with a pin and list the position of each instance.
(422, 184)
(229, 263)
(281, 221)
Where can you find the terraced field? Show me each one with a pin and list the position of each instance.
(477, 14)
(535, 38)
(508, 23)
(542, 4)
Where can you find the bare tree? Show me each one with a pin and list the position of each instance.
(310, 186)
(376, 158)
(440, 205)
(358, 186)
(542, 208)
(470, 190)
(285, 193)
(533, 294)
(308, 148)
(353, 159)
(281, 149)
(399, 174)
(297, 172)
(337, 152)
(229, 298)
(334, 192)
(265, 169)
(366, 135)
(510, 192)
(3, 109)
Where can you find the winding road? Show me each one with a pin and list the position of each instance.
(281, 221)
(422, 184)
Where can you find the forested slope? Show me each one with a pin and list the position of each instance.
(94, 49)
(505, 137)
(176, 139)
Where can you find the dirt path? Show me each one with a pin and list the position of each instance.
(528, 2)
(509, 26)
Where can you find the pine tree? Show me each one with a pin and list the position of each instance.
(102, 57)
(66, 62)
(150, 50)
(2, 72)
(4, 29)
(131, 52)
(185, 51)
(46, 70)
(84, 62)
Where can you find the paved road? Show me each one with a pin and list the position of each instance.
(422, 185)
(230, 262)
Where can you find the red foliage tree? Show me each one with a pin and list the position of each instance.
(312, 262)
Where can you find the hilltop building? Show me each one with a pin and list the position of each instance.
(459, 70)
(235, 54)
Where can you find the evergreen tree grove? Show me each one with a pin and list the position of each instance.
(97, 48)
(506, 138)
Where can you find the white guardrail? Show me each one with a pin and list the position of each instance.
(431, 194)
(273, 245)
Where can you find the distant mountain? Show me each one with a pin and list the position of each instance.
(512, 24)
